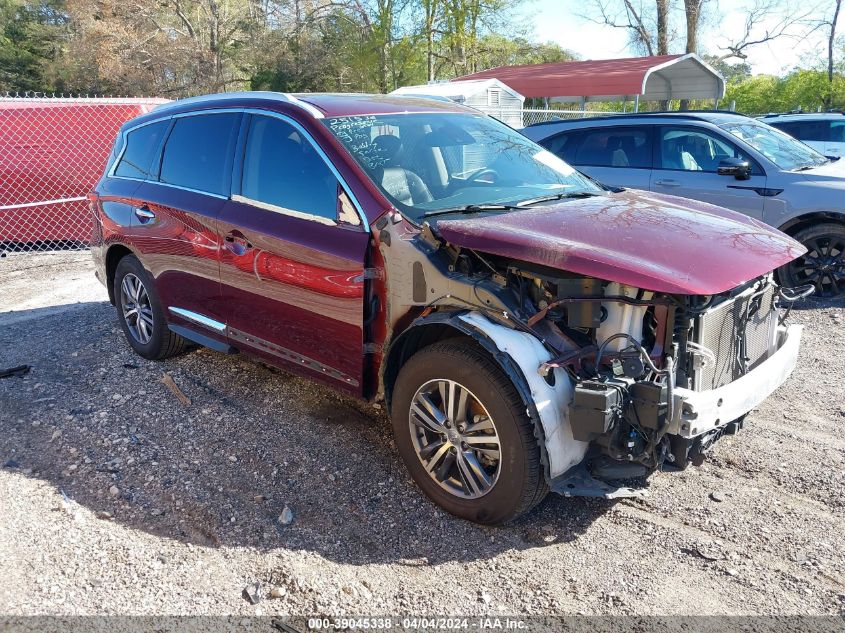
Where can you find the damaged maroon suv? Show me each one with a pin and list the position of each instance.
(528, 329)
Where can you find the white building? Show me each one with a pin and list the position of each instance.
(490, 96)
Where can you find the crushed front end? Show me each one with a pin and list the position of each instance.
(626, 363)
(663, 377)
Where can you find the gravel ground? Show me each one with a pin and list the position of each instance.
(117, 498)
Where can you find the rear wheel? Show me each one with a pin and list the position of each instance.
(139, 312)
(463, 433)
(823, 265)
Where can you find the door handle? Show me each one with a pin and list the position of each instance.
(144, 214)
(667, 182)
(237, 243)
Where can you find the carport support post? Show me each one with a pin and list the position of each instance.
(636, 103)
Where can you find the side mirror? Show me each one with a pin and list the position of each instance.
(736, 167)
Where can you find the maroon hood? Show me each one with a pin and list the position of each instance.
(650, 241)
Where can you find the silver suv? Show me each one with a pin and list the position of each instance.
(725, 159)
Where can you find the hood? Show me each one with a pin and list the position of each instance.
(650, 241)
(834, 170)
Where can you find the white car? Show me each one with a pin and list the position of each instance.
(823, 131)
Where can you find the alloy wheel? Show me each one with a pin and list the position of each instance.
(455, 438)
(137, 312)
(823, 265)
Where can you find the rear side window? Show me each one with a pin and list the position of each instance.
(615, 147)
(283, 170)
(837, 132)
(563, 145)
(198, 152)
(141, 147)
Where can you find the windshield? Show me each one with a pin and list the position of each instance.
(432, 162)
(780, 148)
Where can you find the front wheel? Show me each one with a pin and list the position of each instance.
(464, 436)
(823, 265)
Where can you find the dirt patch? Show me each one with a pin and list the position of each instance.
(117, 498)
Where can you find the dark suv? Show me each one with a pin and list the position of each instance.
(526, 328)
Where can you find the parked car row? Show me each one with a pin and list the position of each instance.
(725, 159)
(527, 327)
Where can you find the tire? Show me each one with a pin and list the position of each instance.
(517, 480)
(148, 336)
(824, 263)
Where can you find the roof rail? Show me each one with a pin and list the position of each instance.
(685, 112)
(677, 114)
(258, 94)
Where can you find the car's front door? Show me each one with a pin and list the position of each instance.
(294, 248)
(175, 226)
(686, 165)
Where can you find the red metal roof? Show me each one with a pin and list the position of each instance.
(595, 78)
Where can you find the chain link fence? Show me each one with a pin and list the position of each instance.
(532, 116)
(52, 152)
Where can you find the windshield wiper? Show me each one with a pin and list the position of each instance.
(558, 196)
(471, 208)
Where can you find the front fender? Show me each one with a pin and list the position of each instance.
(519, 355)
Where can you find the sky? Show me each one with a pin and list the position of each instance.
(559, 21)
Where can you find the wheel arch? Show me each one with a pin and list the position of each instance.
(114, 254)
(800, 222)
(441, 326)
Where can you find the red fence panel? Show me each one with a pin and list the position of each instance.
(52, 152)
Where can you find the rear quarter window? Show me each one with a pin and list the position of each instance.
(141, 147)
(199, 150)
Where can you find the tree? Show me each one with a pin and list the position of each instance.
(831, 44)
(497, 50)
(30, 41)
(647, 24)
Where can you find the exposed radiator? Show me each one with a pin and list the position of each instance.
(720, 330)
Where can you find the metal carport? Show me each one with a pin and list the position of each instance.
(656, 78)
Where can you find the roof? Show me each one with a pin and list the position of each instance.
(714, 117)
(652, 78)
(319, 104)
(345, 104)
(803, 116)
(456, 90)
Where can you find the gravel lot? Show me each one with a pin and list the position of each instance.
(117, 498)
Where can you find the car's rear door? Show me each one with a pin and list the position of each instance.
(835, 145)
(135, 160)
(686, 160)
(617, 156)
(176, 229)
(293, 256)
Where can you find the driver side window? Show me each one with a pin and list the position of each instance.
(688, 149)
